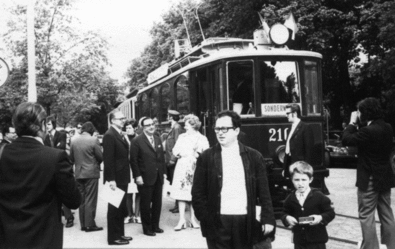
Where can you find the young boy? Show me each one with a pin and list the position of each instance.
(307, 211)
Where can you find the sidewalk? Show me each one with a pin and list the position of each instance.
(341, 184)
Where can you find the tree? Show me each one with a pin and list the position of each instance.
(70, 63)
(339, 30)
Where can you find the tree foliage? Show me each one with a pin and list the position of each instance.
(342, 31)
(71, 64)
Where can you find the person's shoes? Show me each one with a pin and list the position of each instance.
(149, 233)
(158, 230)
(137, 219)
(126, 238)
(118, 242)
(83, 228)
(70, 223)
(128, 220)
(180, 226)
(93, 229)
(174, 210)
(196, 226)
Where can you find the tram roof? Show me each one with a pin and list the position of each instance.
(221, 49)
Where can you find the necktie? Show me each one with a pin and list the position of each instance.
(152, 142)
(51, 139)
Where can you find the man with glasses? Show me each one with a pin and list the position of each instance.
(117, 174)
(148, 166)
(300, 140)
(237, 178)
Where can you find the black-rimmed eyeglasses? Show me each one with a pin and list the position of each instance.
(223, 129)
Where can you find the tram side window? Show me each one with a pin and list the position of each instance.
(154, 103)
(144, 106)
(165, 102)
(182, 93)
(240, 86)
(311, 91)
(279, 86)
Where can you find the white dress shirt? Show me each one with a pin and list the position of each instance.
(294, 125)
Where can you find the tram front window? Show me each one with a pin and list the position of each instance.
(240, 87)
(279, 86)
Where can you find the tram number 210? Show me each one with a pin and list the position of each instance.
(278, 135)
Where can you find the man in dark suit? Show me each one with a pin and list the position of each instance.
(54, 138)
(148, 166)
(117, 174)
(57, 139)
(229, 180)
(86, 153)
(9, 135)
(374, 173)
(300, 140)
(34, 181)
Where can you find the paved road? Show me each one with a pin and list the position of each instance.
(344, 230)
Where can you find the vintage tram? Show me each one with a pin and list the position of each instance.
(256, 78)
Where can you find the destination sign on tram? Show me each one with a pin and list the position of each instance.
(273, 109)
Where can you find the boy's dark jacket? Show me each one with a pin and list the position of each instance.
(206, 192)
(316, 203)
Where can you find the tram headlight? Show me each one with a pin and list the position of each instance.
(280, 154)
(279, 34)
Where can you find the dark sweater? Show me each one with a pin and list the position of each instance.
(316, 203)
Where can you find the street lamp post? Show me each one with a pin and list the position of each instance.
(31, 52)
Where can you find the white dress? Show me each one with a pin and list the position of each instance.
(187, 146)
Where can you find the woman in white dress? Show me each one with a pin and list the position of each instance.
(187, 149)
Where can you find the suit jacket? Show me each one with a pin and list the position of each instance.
(374, 144)
(34, 181)
(301, 146)
(316, 203)
(59, 140)
(86, 153)
(147, 161)
(116, 158)
(171, 140)
(207, 185)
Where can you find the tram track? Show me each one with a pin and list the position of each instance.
(352, 217)
(347, 241)
(334, 238)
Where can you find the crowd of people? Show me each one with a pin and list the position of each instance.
(46, 173)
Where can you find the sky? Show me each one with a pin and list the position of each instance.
(126, 24)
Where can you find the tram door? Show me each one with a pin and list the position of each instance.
(207, 83)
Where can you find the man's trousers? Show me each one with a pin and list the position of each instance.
(368, 201)
(115, 218)
(87, 211)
